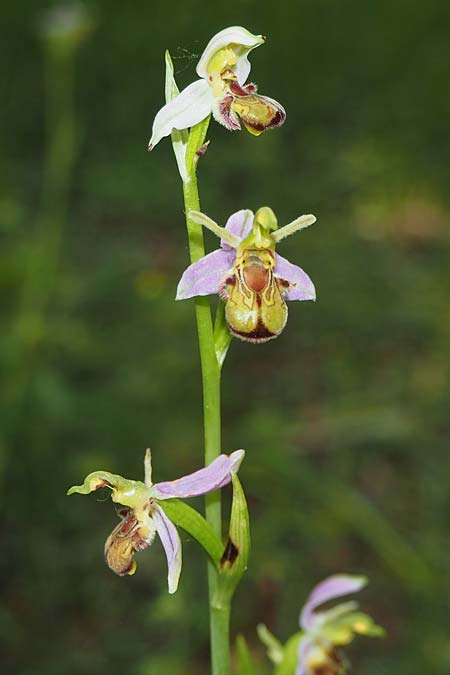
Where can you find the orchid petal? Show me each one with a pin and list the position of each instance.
(205, 276)
(212, 477)
(238, 224)
(300, 285)
(297, 224)
(304, 647)
(210, 224)
(191, 106)
(243, 42)
(333, 587)
(170, 540)
(223, 113)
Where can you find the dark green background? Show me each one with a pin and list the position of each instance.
(344, 417)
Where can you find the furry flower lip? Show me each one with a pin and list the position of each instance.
(143, 517)
(250, 277)
(223, 69)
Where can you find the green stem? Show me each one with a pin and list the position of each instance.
(219, 617)
(220, 640)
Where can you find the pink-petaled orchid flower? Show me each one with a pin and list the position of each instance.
(249, 276)
(143, 516)
(316, 649)
(223, 69)
(324, 632)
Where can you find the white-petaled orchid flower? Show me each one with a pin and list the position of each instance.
(326, 631)
(143, 517)
(223, 69)
(249, 276)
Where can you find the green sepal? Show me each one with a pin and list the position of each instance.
(289, 662)
(342, 630)
(95, 481)
(131, 493)
(222, 335)
(179, 137)
(194, 524)
(272, 644)
(244, 662)
(234, 560)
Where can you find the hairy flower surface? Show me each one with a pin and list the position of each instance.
(249, 276)
(326, 631)
(223, 69)
(143, 517)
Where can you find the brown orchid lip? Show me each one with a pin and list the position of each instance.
(123, 542)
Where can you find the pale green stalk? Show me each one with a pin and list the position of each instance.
(213, 345)
(211, 370)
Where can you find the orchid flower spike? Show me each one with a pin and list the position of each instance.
(326, 631)
(223, 69)
(143, 516)
(249, 276)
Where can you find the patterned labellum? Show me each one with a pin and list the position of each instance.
(255, 308)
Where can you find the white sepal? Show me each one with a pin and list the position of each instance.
(186, 110)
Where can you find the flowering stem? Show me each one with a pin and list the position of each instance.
(219, 615)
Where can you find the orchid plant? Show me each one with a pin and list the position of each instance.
(316, 649)
(254, 284)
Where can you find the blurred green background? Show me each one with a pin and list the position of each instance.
(344, 417)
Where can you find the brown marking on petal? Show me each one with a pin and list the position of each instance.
(99, 483)
(256, 277)
(230, 554)
(226, 115)
(224, 292)
(277, 120)
(236, 88)
(258, 334)
(334, 665)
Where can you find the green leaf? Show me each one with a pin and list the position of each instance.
(194, 524)
(234, 560)
(179, 138)
(222, 335)
(244, 663)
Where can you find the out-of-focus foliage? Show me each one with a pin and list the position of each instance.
(344, 417)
